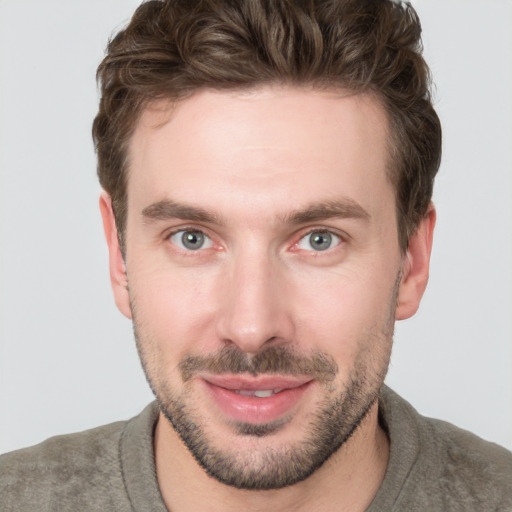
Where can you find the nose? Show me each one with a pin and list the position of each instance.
(255, 310)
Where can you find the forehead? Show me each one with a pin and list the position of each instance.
(270, 146)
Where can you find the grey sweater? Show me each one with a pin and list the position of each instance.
(433, 466)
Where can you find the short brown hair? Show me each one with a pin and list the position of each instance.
(173, 48)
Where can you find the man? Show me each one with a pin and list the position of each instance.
(268, 170)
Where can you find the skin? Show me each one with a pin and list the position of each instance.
(252, 160)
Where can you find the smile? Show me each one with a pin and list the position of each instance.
(256, 400)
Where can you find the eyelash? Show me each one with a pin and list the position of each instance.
(322, 231)
(184, 229)
(294, 246)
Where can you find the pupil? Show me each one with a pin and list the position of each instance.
(321, 241)
(192, 240)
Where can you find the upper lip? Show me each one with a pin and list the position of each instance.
(262, 382)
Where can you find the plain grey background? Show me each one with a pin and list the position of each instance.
(67, 357)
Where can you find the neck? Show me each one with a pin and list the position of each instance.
(357, 468)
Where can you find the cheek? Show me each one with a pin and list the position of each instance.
(173, 311)
(342, 312)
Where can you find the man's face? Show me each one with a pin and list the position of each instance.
(263, 270)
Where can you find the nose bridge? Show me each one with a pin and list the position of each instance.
(253, 312)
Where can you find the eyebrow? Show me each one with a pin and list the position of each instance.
(167, 209)
(337, 208)
(344, 208)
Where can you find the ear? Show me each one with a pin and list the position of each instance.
(118, 279)
(415, 267)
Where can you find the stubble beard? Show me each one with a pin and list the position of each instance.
(336, 418)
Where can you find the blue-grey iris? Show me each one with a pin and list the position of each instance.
(320, 241)
(192, 240)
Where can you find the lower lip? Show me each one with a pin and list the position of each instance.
(248, 409)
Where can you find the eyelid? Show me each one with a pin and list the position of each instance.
(177, 229)
(182, 229)
(341, 236)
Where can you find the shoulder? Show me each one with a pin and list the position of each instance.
(468, 465)
(63, 470)
(443, 467)
(72, 450)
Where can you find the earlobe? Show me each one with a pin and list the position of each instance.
(118, 278)
(415, 267)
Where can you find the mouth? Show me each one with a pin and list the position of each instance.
(255, 400)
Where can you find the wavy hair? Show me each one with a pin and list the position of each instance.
(173, 48)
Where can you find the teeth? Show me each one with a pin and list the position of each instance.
(263, 393)
(259, 393)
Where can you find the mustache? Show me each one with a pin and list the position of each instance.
(272, 360)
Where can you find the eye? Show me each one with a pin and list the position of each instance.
(319, 240)
(190, 240)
